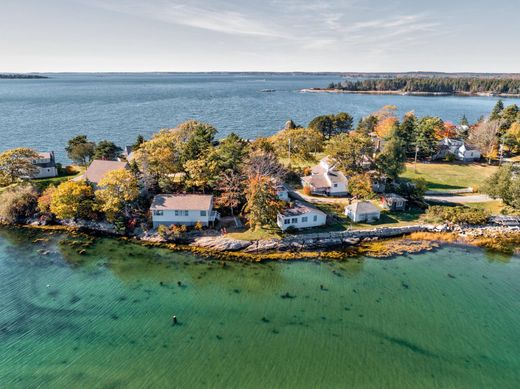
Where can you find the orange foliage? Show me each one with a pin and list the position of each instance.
(384, 126)
(448, 131)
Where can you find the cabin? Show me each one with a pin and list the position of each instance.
(393, 202)
(326, 179)
(183, 209)
(300, 215)
(363, 211)
(98, 169)
(460, 150)
(46, 164)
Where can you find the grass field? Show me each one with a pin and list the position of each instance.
(260, 233)
(450, 175)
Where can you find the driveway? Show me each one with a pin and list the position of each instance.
(481, 198)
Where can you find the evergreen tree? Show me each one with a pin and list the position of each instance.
(464, 121)
(497, 110)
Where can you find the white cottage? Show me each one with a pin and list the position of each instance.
(459, 149)
(363, 211)
(183, 209)
(326, 179)
(46, 164)
(300, 215)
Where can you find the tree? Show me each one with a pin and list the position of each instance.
(261, 164)
(360, 186)
(425, 139)
(512, 137)
(330, 125)
(299, 143)
(484, 136)
(80, 150)
(386, 126)
(17, 204)
(107, 150)
(262, 204)
(391, 161)
(73, 199)
(505, 184)
(16, 164)
(231, 186)
(200, 173)
(407, 132)
(138, 142)
(448, 130)
(367, 125)
(464, 121)
(350, 151)
(117, 190)
(45, 200)
(230, 152)
(497, 110)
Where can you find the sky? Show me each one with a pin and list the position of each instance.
(260, 35)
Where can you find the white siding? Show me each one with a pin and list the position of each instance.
(169, 217)
(308, 220)
(46, 172)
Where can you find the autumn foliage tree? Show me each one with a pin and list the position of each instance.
(116, 191)
(16, 164)
(73, 199)
(262, 204)
(484, 136)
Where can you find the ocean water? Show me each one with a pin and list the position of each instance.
(46, 113)
(103, 319)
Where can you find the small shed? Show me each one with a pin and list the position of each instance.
(363, 211)
(393, 202)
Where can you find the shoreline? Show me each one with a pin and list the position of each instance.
(403, 93)
(380, 243)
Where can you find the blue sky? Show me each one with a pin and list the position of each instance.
(270, 35)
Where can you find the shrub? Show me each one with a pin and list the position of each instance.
(17, 204)
(198, 226)
(163, 231)
(45, 200)
(307, 190)
(458, 215)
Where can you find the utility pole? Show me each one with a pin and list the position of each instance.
(415, 160)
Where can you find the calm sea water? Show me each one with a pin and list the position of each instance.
(443, 319)
(46, 113)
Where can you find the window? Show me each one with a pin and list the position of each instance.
(158, 213)
(315, 218)
(305, 219)
(203, 213)
(294, 220)
(176, 213)
(287, 221)
(186, 213)
(335, 185)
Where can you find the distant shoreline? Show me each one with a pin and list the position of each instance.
(21, 77)
(403, 93)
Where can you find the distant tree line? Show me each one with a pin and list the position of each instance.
(433, 85)
(20, 76)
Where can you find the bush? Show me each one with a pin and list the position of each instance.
(163, 231)
(44, 201)
(458, 215)
(450, 157)
(307, 190)
(18, 204)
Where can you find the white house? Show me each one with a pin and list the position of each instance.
(363, 211)
(458, 148)
(98, 169)
(183, 209)
(326, 179)
(46, 164)
(300, 215)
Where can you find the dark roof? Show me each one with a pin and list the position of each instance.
(299, 208)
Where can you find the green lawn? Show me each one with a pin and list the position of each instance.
(388, 219)
(450, 175)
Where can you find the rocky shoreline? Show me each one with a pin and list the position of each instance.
(404, 93)
(314, 244)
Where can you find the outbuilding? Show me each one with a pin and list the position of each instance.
(363, 211)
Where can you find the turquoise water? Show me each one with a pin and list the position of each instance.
(46, 113)
(441, 319)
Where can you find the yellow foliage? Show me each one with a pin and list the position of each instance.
(117, 188)
(72, 199)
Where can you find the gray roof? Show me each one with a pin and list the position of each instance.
(393, 196)
(98, 169)
(299, 208)
(187, 202)
(360, 207)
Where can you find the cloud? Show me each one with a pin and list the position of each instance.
(308, 25)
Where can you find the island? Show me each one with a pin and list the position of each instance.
(428, 86)
(18, 76)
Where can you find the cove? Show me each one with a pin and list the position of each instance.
(446, 318)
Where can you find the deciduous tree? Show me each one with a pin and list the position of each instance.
(73, 199)
(80, 150)
(117, 190)
(16, 164)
